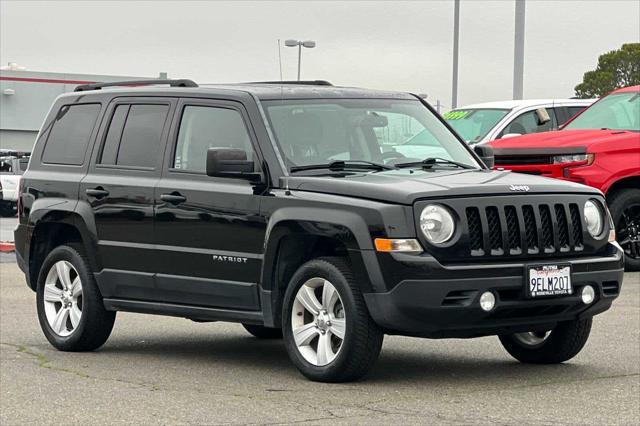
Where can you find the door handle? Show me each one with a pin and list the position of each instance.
(173, 198)
(98, 192)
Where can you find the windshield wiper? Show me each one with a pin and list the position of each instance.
(341, 165)
(428, 163)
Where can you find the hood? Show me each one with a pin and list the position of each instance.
(405, 186)
(562, 139)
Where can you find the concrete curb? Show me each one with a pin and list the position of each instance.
(7, 247)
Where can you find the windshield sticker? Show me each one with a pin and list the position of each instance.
(455, 115)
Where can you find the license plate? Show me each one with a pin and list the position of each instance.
(549, 280)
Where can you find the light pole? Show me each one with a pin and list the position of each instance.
(456, 38)
(300, 44)
(518, 51)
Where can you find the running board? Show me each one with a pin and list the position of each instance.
(192, 312)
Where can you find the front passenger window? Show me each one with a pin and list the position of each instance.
(205, 127)
(528, 123)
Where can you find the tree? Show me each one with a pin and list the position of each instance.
(618, 68)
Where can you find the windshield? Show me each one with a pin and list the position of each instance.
(619, 111)
(473, 124)
(320, 131)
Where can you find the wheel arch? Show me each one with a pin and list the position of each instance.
(626, 182)
(293, 238)
(56, 225)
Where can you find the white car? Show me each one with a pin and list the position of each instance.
(12, 166)
(481, 123)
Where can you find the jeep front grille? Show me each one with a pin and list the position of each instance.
(524, 229)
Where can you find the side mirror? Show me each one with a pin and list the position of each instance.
(510, 135)
(485, 152)
(542, 116)
(230, 163)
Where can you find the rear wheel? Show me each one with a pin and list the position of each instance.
(70, 309)
(262, 332)
(624, 205)
(562, 343)
(327, 329)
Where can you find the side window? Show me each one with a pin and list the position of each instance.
(572, 111)
(203, 127)
(69, 138)
(134, 136)
(528, 123)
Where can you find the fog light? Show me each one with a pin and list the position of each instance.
(487, 301)
(588, 294)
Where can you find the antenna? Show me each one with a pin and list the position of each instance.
(280, 59)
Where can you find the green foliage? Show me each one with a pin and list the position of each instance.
(616, 69)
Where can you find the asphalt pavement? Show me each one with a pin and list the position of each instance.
(174, 371)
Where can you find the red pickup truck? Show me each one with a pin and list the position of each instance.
(599, 147)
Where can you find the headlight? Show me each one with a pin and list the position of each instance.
(577, 158)
(437, 223)
(593, 218)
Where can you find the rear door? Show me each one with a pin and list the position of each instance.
(119, 188)
(209, 232)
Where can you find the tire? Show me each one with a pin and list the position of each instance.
(346, 314)
(561, 344)
(621, 201)
(262, 332)
(95, 323)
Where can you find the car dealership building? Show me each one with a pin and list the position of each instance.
(25, 99)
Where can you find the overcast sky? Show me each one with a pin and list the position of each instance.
(388, 45)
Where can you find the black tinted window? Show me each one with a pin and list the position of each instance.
(69, 137)
(112, 140)
(137, 142)
(202, 128)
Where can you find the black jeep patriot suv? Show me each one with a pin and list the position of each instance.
(325, 215)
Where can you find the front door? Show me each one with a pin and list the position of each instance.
(208, 231)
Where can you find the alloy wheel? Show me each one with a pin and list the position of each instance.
(63, 298)
(318, 321)
(628, 231)
(532, 338)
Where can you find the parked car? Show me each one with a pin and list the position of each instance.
(284, 207)
(12, 166)
(481, 123)
(601, 148)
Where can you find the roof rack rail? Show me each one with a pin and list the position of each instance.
(172, 83)
(303, 82)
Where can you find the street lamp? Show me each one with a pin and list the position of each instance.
(300, 44)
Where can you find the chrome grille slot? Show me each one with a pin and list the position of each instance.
(531, 229)
(495, 231)
(576, 225)
(563, 227)
(547, 228)
(513, 230)
(475, 230)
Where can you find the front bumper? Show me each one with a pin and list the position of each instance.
(449, 307)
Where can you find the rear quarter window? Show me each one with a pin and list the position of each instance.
(70, 135)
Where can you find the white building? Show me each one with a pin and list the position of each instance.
(25, 99)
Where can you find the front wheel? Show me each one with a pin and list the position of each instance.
(624, 205)
(328, 332)
(561, 344)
